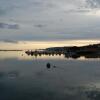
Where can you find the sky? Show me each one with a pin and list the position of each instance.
(49, 20)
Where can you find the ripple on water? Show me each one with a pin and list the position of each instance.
(13, 74)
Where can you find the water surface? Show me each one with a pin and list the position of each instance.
(25, 77)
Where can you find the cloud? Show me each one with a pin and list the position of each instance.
(8, 26)
(93, 3)
(40, 25)
(2, 12)
(78, 6)
(43, 19)
(10, 41)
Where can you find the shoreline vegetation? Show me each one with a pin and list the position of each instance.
(88, 51)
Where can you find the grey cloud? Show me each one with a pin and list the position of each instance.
(8, 26)
(82, 6)
(2, 12)
(42, 19)
(77, 11)
(40, 25)
(46, 5)
(10, 41)
(93, 3)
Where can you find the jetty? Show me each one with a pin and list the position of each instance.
(43, 52)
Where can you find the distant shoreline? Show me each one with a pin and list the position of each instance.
(72, 48)
(11, 50)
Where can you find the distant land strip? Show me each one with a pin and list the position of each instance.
(11, 50)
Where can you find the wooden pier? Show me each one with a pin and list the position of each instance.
(36, 53)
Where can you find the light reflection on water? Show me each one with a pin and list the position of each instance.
(25, 77)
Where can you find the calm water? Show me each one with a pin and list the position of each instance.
(24, 77)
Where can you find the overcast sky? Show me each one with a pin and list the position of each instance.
(49, 19)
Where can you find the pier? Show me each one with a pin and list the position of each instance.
(44, 52)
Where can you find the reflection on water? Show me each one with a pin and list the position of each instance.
(64, 55)
(25, 77)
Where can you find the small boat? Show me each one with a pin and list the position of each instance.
(48, 65)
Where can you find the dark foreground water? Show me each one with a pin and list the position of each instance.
(28, 78)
